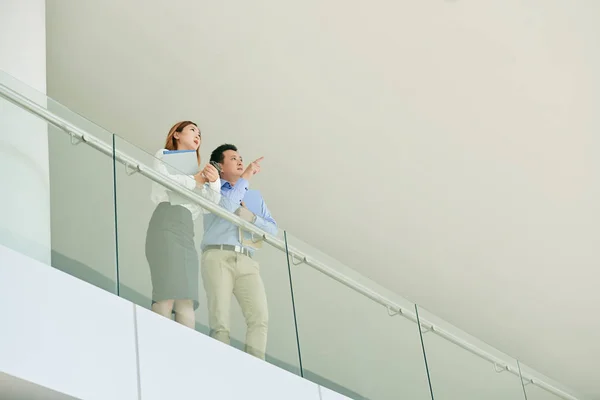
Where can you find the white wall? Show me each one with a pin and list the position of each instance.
(63, 333)
(71, 337)
(23, 138)
(23, 41)
(176, 362)
(327, 394)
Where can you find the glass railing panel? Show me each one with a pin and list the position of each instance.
(134, 209)
(535, 392)
(25, 202)
(146, 231)
(23, 89)
(351, 344)
(457, 373)
(282, 347)
(540, 387)
(76, 178)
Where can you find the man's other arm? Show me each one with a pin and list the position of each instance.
(265, 221)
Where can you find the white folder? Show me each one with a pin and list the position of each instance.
(180, 162)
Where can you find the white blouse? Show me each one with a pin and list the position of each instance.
(211, 190)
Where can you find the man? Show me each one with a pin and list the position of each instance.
(227, 264)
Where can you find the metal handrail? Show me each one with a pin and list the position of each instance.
(393, 308)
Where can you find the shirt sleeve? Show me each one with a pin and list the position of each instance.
(185, 180)
(265, 221)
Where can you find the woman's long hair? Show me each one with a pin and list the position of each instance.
(171, 142)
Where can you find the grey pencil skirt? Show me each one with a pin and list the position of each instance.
(172, 255)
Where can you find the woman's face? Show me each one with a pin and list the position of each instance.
(189, 138)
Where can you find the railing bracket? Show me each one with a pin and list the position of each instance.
(130, 170)
(391, 312)
(303, 260)
(430, 329)
(500, 368)
(75, 140)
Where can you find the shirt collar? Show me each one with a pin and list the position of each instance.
(226, 185)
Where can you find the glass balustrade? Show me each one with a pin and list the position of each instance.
(350, 343)
(59, 192)
(536, 391)
(80, 199)
(457, 373)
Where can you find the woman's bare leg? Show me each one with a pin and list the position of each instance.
(184, 313)
(163, 307)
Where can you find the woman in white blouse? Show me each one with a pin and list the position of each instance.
(170, 247)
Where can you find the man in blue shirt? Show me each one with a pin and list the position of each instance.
(227, 264)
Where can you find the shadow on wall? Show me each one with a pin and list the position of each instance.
(83, 272)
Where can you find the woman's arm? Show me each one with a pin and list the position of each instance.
(186, 180)
(212, 191)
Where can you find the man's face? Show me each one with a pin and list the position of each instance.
(233, 165)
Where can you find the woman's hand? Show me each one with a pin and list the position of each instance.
(200, 179)
(210, 173)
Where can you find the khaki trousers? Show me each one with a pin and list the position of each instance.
(224, 273)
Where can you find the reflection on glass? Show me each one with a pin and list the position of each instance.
(351, 344)
(456, 373)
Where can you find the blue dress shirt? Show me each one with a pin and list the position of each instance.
(219, 231)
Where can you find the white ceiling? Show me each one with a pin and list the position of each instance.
(446, 149)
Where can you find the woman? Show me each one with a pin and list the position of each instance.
(170, 247)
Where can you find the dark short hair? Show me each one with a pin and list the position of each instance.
(217, 154)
